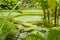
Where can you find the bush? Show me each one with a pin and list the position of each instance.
(8, 4)
(54, 34)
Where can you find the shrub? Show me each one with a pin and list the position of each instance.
(8, 4)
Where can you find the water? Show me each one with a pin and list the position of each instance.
(28, 18)
(22, 18)
(6, 13)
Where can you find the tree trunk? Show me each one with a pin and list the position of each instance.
(58, 16)
(58, 19)
(44, 14)
(48, 15)
(55, 16)
(44, 17)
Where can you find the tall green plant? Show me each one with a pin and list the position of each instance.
(47, 6)
(7, 29)
(54, 34)
(6, 26)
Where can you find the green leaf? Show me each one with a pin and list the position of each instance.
(52, 4)
(34, 36)
(54, 34)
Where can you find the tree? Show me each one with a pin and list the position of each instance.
(47, 6)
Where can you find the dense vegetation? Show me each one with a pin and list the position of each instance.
(47, 28)
(8, 4)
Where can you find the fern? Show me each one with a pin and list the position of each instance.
(34, 36)
(54, 34)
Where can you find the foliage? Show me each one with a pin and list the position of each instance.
(29, 1)
(8, 4)
(7, 29)
(48, 24)
(44, 4)
(34, 36)
(54, 34)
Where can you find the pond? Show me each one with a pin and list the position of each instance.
(23, 18)
(28, 18)
(6, 13)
